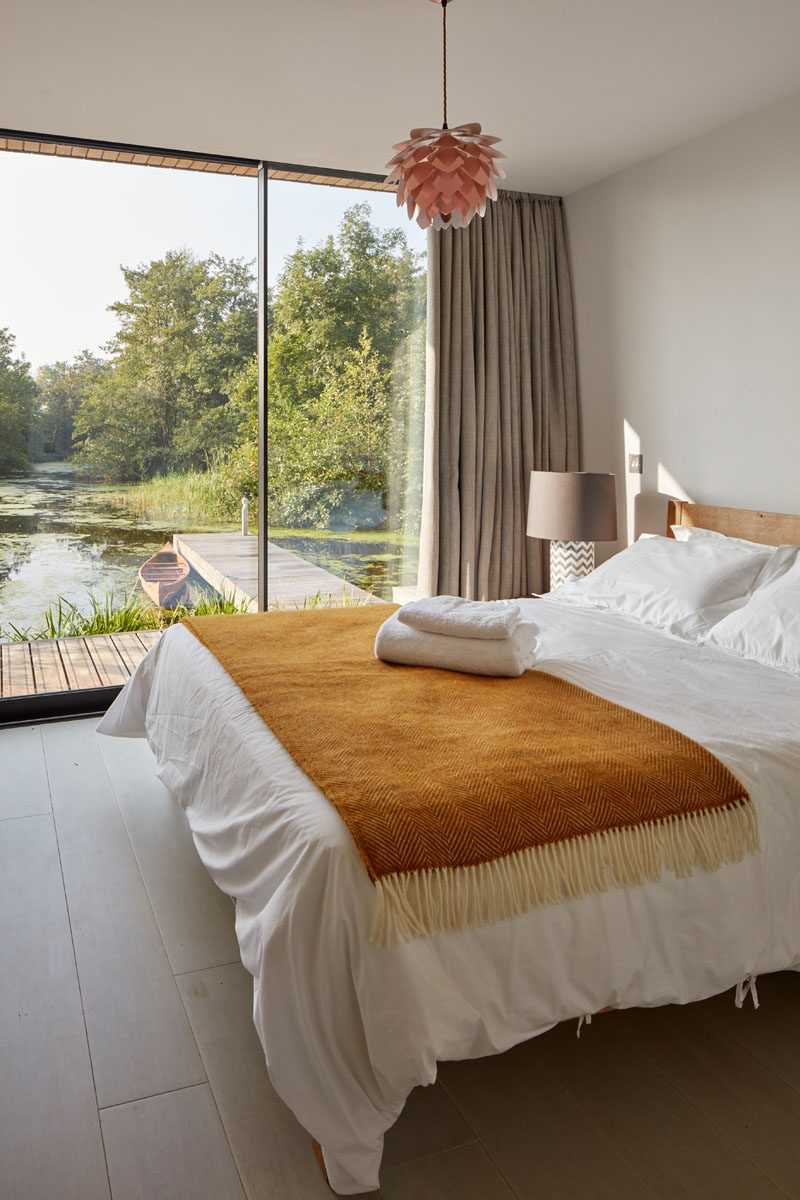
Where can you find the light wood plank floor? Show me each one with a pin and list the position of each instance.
(129, 1066)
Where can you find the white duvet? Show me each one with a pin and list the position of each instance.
(348, 1029)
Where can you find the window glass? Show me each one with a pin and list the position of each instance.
(346, 383)
(128, 331)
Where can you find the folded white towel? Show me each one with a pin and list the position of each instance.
(454, 616)
(399, 643)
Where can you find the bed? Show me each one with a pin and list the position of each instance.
(349, 1028)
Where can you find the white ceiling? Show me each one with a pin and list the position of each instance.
(577, 89)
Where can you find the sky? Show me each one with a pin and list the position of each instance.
(67, 225)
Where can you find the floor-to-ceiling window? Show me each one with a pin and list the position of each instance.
(129, 380)
(128, 332)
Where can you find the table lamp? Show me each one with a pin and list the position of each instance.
(573, 510)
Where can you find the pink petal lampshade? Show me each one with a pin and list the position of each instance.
(445, 176)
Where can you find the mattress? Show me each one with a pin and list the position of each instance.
(349, 1028)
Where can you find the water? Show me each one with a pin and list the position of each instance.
(60, 537)
(63, 537)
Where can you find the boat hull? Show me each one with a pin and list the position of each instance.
(163, 576)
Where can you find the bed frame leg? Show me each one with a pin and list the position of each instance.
(320, 1159)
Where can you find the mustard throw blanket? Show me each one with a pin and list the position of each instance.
(472, 799)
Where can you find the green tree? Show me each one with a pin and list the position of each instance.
(345, 378)
(62, 387)
(17, 406)
(240, 465)
(363, 280)
(323, 454)
(186, 330)
(346, 324)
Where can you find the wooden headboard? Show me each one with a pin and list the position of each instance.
(772, 529)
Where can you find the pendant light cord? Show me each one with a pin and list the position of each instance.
(444, 59)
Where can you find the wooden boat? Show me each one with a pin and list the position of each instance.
(164, 575)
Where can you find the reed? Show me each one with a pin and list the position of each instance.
(106, 614)
(324, 600)
(205, 604)
(212, 496)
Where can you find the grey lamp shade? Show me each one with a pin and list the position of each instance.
(573, 506)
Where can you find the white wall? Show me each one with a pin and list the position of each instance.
(687, 302)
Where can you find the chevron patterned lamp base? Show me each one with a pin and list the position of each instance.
(570, 560)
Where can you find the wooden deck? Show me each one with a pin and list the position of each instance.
(229, 563)
(70, 664)
(226, 561)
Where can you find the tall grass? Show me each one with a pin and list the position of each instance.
(324, 600)
(210, 496)
(205, 604)
(64, 619)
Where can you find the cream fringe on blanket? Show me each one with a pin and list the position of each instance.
(423, 903)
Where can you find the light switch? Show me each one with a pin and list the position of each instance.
(634, 464)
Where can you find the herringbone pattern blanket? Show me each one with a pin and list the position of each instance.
(471, 799)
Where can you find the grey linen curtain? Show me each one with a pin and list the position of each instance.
(501, 395)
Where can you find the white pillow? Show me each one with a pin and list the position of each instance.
(683, 587)
(684, 533)
(767, 628)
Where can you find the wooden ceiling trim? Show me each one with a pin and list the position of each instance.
(175, 161)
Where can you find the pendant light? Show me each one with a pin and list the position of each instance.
(445, 176)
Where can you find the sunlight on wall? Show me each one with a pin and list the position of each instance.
(645, 510)
(668, 484)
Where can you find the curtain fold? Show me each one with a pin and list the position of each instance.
(501, 395)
